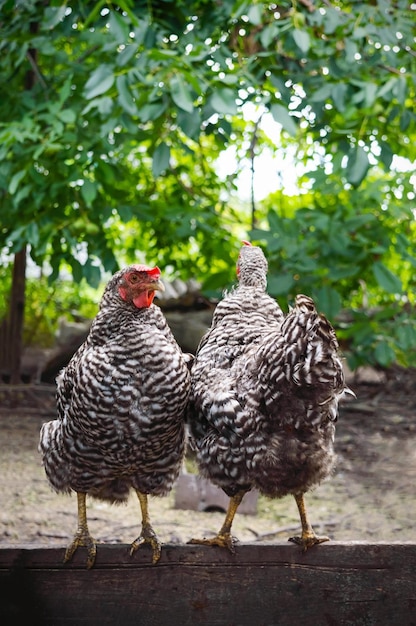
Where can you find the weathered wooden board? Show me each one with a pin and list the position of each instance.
(261, 585)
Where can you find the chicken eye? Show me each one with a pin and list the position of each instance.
(134, 278)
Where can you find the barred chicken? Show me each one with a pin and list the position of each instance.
(121, 402)
(264, 398)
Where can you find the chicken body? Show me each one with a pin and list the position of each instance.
(121, 402)
(265, 419)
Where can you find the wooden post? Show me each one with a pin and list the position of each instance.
(11, 328)
(336, 584)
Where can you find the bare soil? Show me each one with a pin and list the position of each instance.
(371, 496)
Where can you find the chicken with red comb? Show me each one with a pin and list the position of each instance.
(121, 402)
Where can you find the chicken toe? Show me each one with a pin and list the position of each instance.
(147, 535)
(223, 540)
(308, 537)
(82, 537)
(307, 540)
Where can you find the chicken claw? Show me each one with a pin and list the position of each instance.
(147, 535)
(308, 537)
(306, 541)
(82, 537)
(223, 540)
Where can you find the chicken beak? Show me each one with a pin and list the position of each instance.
(156, 285)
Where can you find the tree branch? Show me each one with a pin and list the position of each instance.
(252, 152)
(309, 5)
(35, 69)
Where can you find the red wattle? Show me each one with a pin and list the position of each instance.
(144, 299)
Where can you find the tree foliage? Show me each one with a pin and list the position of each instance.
(110, 152)
(355, 258)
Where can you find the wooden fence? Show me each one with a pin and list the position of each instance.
(336, 584)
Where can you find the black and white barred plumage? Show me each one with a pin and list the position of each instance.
(120, 401)
(264, 396)
(239, 322)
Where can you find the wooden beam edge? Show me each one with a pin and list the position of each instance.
(351, 554)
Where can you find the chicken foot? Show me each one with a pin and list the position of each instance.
(147, 535)
(82, 537)
(224, 539)
(308, 537)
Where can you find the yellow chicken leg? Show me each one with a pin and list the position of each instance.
(224, 538)
(308, 537)
(82, 537)
(147, 535)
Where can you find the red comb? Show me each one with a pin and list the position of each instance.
(152, 271)
(246, 243)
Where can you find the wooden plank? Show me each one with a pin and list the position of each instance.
(336, 584)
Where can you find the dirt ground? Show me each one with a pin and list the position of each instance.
(371, 497)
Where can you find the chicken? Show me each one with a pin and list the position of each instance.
(121, 402)
(264, 398)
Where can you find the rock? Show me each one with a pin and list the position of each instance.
(198, 494)
(188, 327)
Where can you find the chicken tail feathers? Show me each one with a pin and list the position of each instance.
(312, 362)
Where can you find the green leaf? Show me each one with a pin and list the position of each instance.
(405, 120)
(268, 35)
(357, 166)
(338, 93)
(22, 194)
(254, 14)
(329, 301)
(125, 213)
(53, 15)
(126, 54)
(406, 336)
(282, 116)
(400, 89)
(302, 39)
(92, 274)
(370, 94)
(161, 158)
(223, 101)
(384, 354)
(190, 123)
(125, 96)
(65, 90)
(104, 105)
(216, 280)
(332, 19)
(280, 284)
(386, 279)
(68, 116)
(76, 268)
(15, 180)
(181, 94)
(322, 94)
(386, 154)
(89, 192)
(152, 110)
(387, 88)
(32, 234)
(99, 82)
(118, 27)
